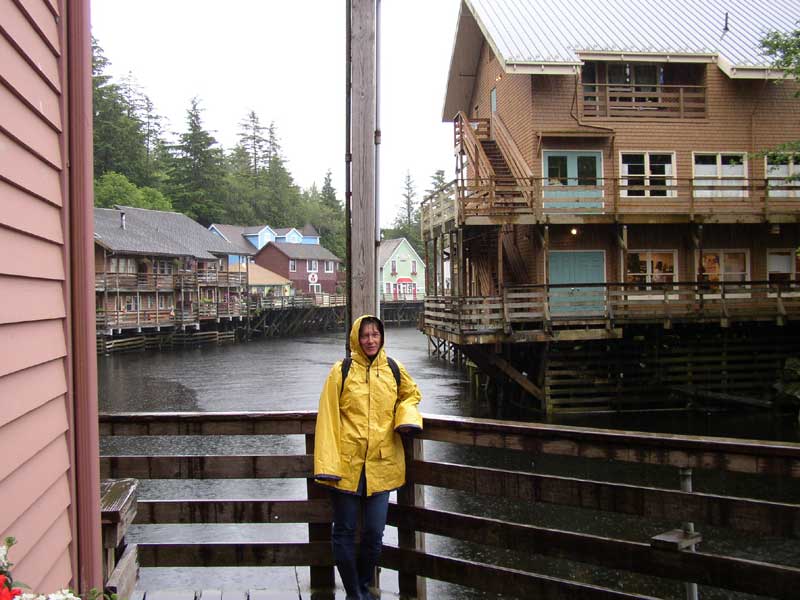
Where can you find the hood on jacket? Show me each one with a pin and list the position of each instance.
(355, 347)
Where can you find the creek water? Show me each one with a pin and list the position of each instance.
(287, 374)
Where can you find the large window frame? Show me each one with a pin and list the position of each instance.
(778, 171)
(660, 266)
(328, 266)
(312, 265)
(648, 178)
(707, 280)
(292, 265)
(720, 178)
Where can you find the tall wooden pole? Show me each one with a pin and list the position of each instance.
(362, 243)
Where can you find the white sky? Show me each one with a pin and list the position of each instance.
(285, 59)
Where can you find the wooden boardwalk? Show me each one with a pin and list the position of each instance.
(253, 594)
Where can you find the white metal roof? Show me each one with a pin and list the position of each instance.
(536, 31)
(555, 36)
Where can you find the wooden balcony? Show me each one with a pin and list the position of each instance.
(644, 101)
(492, 200)
(186, 279)
(135, 319)
(594, 311)
(147, 282)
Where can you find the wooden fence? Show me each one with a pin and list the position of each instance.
(620, 486)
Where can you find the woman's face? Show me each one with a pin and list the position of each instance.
(369, 338)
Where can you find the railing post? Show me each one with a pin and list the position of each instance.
(688, 528)
(321, 577)
(410, 584)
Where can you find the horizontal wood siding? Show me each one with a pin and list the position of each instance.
(35, 490)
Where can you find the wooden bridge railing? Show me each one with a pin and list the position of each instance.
(547, 306)
(536, 456)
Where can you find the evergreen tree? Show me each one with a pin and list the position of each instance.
(438, 181)
(326, 214)
(255, 145)
(197, 171)
(406, 224)
(119, 140)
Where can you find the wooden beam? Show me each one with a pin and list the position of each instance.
(744, 515)
(363, 247)
(707, 569)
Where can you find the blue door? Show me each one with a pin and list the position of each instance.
(574, 269)
(579, 172)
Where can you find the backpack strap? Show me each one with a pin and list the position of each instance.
(392, 365)
(345, 370)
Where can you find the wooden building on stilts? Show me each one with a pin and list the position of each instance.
(616, 232)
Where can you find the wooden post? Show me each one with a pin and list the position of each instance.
(363, 245)
(411, 495)
(462, 280)
(321, 577)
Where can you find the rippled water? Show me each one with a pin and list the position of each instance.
(284, 374)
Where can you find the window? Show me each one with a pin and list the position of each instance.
(779, 168)
(122, 265)
(394, 267)
(312, 266)
(315, 288)
(388, 288)
(647, 174)
(713, 172)
(413, 267)
(557, 170)
(131, 305)
(292, 265)
(724, 265)
(493, 100)
(329, 266)
(163, 267)
(651, 266)
(782, 265)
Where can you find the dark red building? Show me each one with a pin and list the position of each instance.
(311, 268)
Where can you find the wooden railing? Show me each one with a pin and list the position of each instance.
(122, 319)
(133, 281)
(741, 493)
(639, 101)
(298, 301)
(548, 306)
(688, 197)
(438, 208)
(468, 136)
(514, 157)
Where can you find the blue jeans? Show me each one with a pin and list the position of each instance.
(356, 566)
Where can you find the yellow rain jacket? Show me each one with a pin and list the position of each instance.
(357, 430)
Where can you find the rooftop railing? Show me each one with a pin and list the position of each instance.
(642, 101)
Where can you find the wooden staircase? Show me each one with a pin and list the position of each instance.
(506, 189)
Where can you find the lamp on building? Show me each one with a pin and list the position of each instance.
(574, 231)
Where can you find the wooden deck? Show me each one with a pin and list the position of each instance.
(490, 200)
(539, 313)
(630, 477)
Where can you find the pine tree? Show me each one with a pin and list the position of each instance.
(119, 141)
(197, 171)
(438, 181)
(252, 140)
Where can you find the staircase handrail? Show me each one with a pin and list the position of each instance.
(472, 146)
(514, 158)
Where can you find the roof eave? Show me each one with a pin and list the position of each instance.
(541, 68)
(750, 71)
(629, 56)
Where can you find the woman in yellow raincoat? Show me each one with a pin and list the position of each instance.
(358, 451)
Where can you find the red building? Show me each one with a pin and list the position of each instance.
(311, 268)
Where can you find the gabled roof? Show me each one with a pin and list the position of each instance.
(235, 235)
(309, 230)
(180, 230)
(283, 231)
(386, 248)
(135, 238)
(303, 251)
(556, 36)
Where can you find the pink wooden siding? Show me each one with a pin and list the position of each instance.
(36, 479)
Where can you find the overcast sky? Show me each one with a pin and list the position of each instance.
(286, 60)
